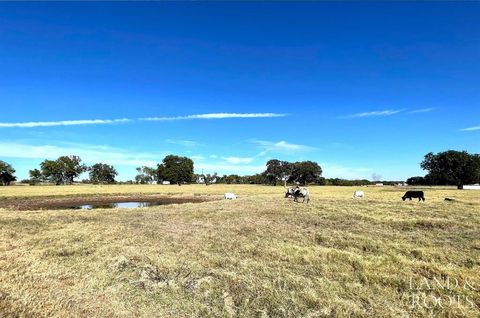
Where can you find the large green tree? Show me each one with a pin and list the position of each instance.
(6, 173)
(452, 168)
(51, 171)
(102, 173)
(72, 167)
(175, 169)
(35, 176)
(278, 170)
(305, 172)
(63, 170)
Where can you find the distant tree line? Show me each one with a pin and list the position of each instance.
(277, 172)
(444, 168)
(231, 179)
(449, 168)
(356, 182)
(178, 170)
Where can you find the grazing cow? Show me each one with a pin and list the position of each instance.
(230, 196)
(298, 192)
(290, 192)
(358, 194)
(414, 194)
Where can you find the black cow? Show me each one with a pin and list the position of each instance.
(414, 194)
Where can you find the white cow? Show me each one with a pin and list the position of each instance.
(358, 194)
(229, 196)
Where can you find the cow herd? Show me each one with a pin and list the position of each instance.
(297, 192)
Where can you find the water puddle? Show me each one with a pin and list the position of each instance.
(106, 202)
(121, 205)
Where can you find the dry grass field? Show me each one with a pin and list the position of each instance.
(258, 256)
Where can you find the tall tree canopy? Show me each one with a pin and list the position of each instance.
(452, 168)
(71, 167)
(63, 170)
(35, 176)
(302, 172)
(305, 172)
(6, 173)
(277, 170)
(51, 171)
(175, 169)
(102, 173)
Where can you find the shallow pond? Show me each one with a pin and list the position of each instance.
(99, 202)
(121, 205)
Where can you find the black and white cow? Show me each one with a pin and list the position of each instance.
(297, 192)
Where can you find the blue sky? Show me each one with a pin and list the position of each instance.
(361, 88)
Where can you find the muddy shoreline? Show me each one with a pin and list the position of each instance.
(49, 203)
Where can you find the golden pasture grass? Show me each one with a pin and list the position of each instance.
(258, 256)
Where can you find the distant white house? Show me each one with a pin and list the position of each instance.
(471, 187)
(379, 184)
(165, 182)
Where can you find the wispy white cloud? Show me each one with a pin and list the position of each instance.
(281, 146)
(186, 143)
(474, 128)
(197, 157)
(266, 148)
(32, 124)
(377, 113)
(239, 160)
(89, 153)
(215, 116)
(422, 110)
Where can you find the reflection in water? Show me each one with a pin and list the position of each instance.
(122, 205)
